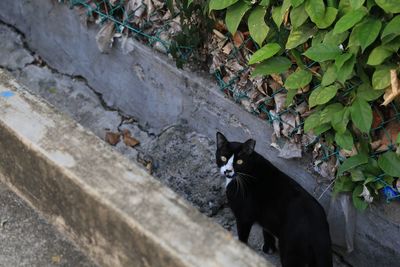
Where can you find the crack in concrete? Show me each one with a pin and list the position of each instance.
(40, 62)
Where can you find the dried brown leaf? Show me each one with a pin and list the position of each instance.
(112, 138)
(393, 90)
(277, 78)
(238, 39)
(56, 259)
(104, 37)
(227, 49)
(128, 139)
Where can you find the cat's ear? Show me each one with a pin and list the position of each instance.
(221, 140)
(248, 146)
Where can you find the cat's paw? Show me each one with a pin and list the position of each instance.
(268, 249)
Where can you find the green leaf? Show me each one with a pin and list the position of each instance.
(220, 4)
(365, 33)
(264, 3)
(335, 39)
(346, 71)
(366, 92)
(330, 76)
(319, 37)
(323, 52)
(315, 9)
(361, 115)
(321, 128)
(352, 162)
(340, 120)
(349, 20)
(289, 97)
(328, 19)
(257, 26)
(272, 65)
(344, 140)
(276, 15)
(372, 167)
(378, 55)
(393, 45)
(344, 7)
(311, 122)
(278, 12)
(357, 175)
(296, 3)
(264, 53)
(341, 59)
(297, 57)
(298, 16)
(234, 15)
(299, 36)
(391, 30)
(369, 179)
(343, 184)
(381, 78)
(390, 6)
(355, 4)
(298, 79)
(328, 112)
(322, 95)
(358, 201)
(390, 163)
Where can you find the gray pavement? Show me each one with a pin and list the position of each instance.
(26, 239)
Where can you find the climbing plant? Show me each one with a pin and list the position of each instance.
(354, 44)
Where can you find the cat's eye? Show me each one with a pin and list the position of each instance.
(239, 162)
(223, 159)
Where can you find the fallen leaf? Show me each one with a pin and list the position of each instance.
(275, 123)
(280, 99)
(56, 259)
(220, 26)
(376, 119)
(104, 38)
(219, 35)
(128, 139)
(288, 124)
(376, 144)
(277, 78)
(238, 39)
(392, 91)
(290, 150)
(366, 195)
(112, 138)
(227, 48)
(388, 135)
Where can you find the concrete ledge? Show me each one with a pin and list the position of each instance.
(119, 214)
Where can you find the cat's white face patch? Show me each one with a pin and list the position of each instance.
(228, 171)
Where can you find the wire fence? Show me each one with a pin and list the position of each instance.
(116, 11)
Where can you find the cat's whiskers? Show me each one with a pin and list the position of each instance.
(246, 175)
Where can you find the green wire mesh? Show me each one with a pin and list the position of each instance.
(229, 88)
(116, 13)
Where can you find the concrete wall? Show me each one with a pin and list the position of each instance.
(148, 86)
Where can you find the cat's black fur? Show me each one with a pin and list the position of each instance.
(261, 193)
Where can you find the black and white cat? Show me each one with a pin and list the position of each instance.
(260, 193)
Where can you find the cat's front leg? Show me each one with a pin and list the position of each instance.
(243, 229)
(269, 243)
